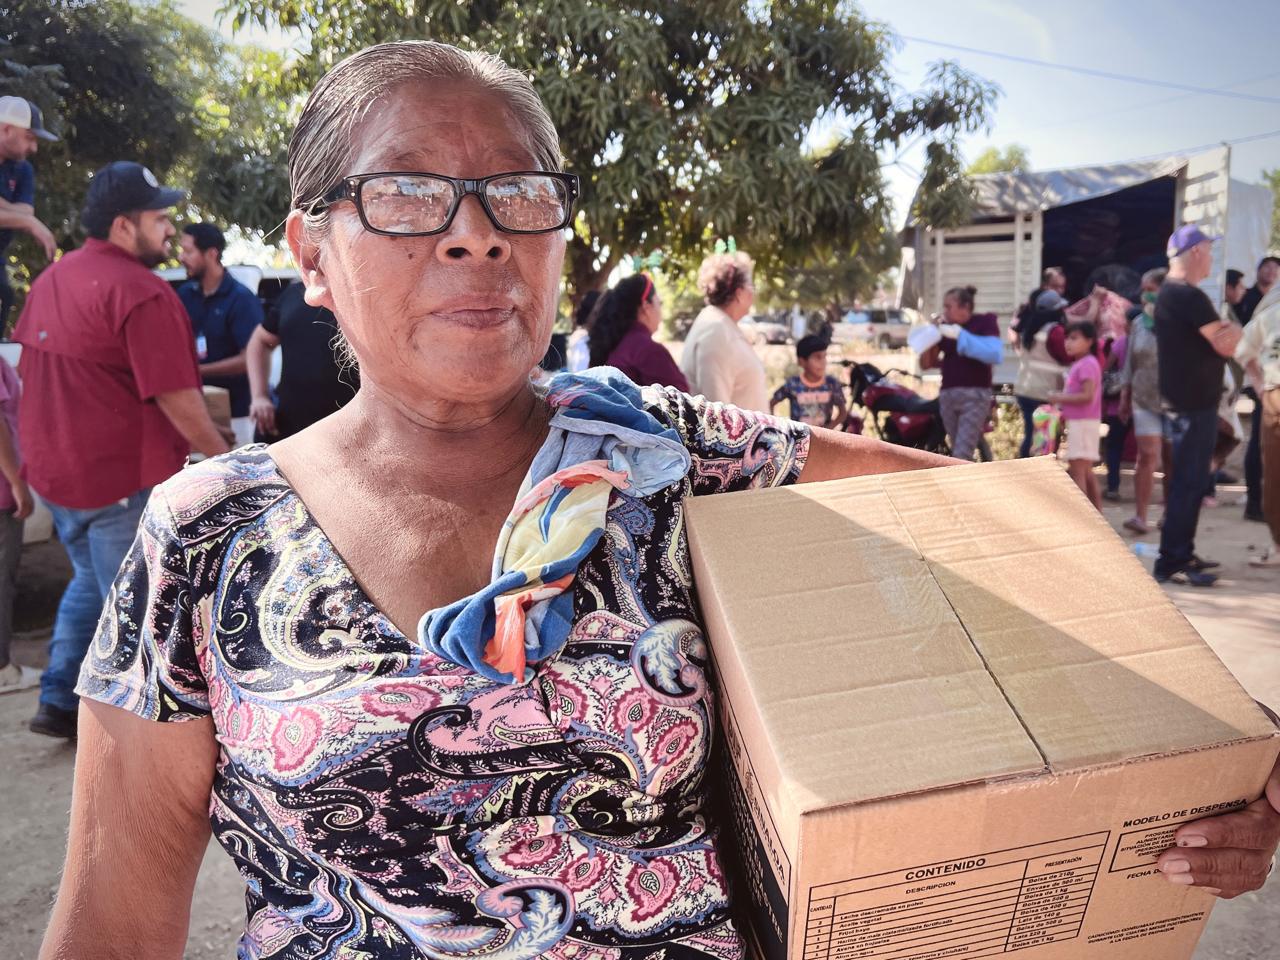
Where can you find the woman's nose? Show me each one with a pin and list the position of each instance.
(472, 236)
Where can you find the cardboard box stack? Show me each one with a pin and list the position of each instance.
(217, 400)
(960, 720)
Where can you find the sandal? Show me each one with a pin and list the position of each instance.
(1134, 525)
(1268, 558)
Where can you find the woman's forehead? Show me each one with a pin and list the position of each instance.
(432, 130)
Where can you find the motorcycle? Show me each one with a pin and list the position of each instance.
(897, 413)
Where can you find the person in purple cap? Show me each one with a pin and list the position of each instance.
(1193, 344)
(21, 130)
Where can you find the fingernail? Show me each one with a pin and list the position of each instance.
(1193, 840)
(1179, 878)
(1175, 866)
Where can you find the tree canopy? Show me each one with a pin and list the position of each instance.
(765, 122)
(122, 81)
(689, 122)
(1014, 158)
(1272, 179)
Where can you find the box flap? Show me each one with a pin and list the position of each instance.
(1094, 657)
(903, 632)
(862, 677)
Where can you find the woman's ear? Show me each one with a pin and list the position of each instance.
(306, 254)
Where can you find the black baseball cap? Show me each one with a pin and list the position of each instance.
(122, 187)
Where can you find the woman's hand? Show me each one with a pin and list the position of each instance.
(1231, 854)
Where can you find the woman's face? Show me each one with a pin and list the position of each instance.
(650, 313)
(461, 316)
(954, 312)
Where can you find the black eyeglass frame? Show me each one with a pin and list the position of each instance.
(351, 188)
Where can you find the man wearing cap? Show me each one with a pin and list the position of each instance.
(1194, 342)
(21, 130)
(112, 403)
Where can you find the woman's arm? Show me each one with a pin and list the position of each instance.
(833, 456)
(258, 366)
(139, 828)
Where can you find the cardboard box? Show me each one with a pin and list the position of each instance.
(961, 720)
(217, 400)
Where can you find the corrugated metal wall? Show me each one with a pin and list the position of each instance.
(1001, 259)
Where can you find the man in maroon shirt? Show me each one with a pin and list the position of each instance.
(112, 403)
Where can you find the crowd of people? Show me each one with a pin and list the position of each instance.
(394, 659)
(1170, 377)
(109, 395)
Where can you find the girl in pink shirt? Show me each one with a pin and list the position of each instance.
(1081, 404)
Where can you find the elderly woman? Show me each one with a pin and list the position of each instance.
(519, 771)
(718, 360)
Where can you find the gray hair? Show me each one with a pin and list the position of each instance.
(323, 144)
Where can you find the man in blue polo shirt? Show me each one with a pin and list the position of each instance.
(224, 313)
(21, 130)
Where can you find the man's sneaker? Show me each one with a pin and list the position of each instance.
(54, 722)
(1202, 565)
(1188, 577)
(10, 677)
(1255, 515)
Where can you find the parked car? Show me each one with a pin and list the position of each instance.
(883, 328)
(759, 330)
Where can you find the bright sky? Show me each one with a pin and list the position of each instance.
(1066, 119)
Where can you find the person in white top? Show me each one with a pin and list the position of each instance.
(718, 361)
(1259, 353)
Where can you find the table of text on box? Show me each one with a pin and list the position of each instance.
(976, 906)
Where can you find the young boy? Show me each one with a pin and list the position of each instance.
(1081, 405)
(816, 397)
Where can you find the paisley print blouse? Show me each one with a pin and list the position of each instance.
(382, 802)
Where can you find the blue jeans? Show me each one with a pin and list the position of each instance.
(1193, 436)
(1028, 406)
(96, 542)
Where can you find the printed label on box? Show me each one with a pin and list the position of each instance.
(976, 906)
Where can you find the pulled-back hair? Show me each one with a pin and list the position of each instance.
(963, 296)
(615, 314)
(722, 275)
(323, 144)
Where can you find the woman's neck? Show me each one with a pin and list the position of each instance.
(443, 444)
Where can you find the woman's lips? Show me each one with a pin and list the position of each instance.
(478, 313)
(477, 319)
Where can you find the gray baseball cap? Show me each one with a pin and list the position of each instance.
(21, 112)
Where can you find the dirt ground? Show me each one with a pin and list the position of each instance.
(1240, 618)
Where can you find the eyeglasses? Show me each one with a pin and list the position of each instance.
(410, 204)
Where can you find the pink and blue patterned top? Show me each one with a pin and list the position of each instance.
(382, 801)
